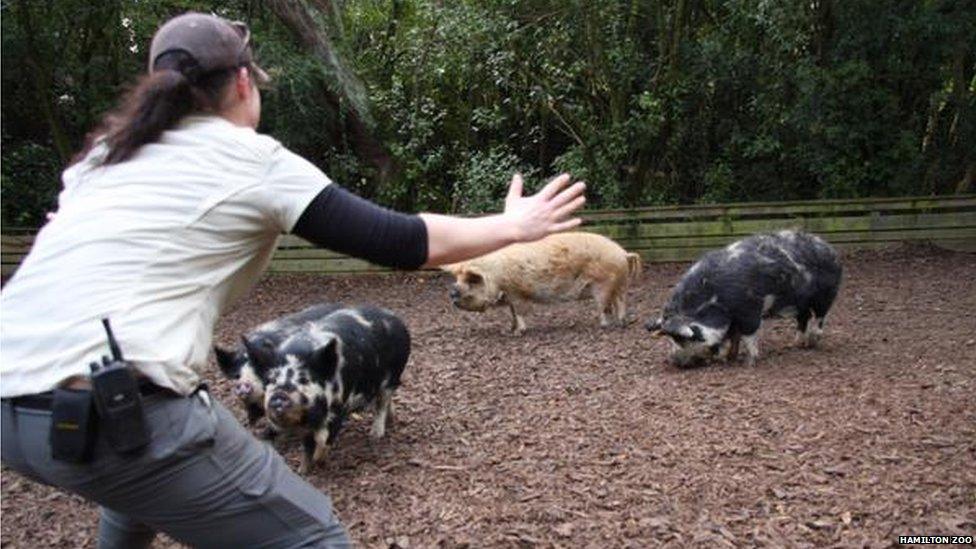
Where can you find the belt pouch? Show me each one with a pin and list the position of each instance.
(72, 426)
(119, 406)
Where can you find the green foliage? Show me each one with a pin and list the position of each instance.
(649, 102)
(28, 184)
(482, 182)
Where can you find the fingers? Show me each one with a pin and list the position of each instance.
(566, 225)
(554, 186)
(515, 187)
(567, 209)
(568, 195)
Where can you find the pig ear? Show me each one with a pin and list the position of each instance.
(260, 353)
(475, 276)
(677, 329)
(326, 359)
(454, 268)
(225, 361)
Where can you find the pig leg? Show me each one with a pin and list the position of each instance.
(752, 348)
(268, 433)
(308, 451)
(804, 334)
(620, 303)
(323, 422)
(383, 404)
(820, 310)
(731, 348)
(815, 332)
(821, 304)
(328, 433)
(320, 445)
(518, 324)
(314, 449)
(809, 337)
(254, 412)
(620, 308)
(747, 327)
(389, 411)
(603, 294)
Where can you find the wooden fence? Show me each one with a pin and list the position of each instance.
(682, 233)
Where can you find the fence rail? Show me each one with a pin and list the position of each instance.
(682, 233)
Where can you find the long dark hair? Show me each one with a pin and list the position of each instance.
(157, 102)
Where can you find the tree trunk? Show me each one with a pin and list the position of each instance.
(678, 22)
(331, 12)
(311, 22)
(823, 30)
(965, 184)
(42, 79)
(961, 130)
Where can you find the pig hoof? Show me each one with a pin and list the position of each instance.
(355, 416)
(319, 455)
(305, 467)
(378, 430)
(807, 340)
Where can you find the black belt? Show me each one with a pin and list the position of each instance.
(44, 401)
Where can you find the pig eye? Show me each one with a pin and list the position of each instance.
(302, 380)
(475, 278)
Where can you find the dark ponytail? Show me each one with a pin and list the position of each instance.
(156, 103)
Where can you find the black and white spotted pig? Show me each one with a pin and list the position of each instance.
(726, 294)
(248, 375)
(339, 364)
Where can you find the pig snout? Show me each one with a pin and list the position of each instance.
(279, 403)
(454, 294)
(243, 389)
(653, 325)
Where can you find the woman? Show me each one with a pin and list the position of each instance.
(171, 213)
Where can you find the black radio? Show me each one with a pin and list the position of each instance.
(117, 399)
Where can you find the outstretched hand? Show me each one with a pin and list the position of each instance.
(547, 211)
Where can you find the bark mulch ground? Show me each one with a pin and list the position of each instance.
(576, 436)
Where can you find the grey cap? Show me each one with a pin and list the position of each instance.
(213, 42)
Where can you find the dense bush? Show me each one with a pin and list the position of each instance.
(649, 101)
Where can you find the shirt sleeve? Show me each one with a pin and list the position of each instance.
(341, 221)
(289, 185)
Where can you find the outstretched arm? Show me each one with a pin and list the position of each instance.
(526, 218)
(339, 220)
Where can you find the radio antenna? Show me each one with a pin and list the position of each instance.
(112, 344)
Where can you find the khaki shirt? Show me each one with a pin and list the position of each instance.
(161, 244)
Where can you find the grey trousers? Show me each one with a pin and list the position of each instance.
(203, 480)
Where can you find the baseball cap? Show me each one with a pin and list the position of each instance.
(213, 42)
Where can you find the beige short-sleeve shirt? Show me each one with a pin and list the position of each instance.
(161, 244)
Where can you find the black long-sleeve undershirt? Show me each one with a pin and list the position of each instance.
(339, 220)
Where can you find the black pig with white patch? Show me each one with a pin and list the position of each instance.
(726, 294)
(339, 364)
(249, 376)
